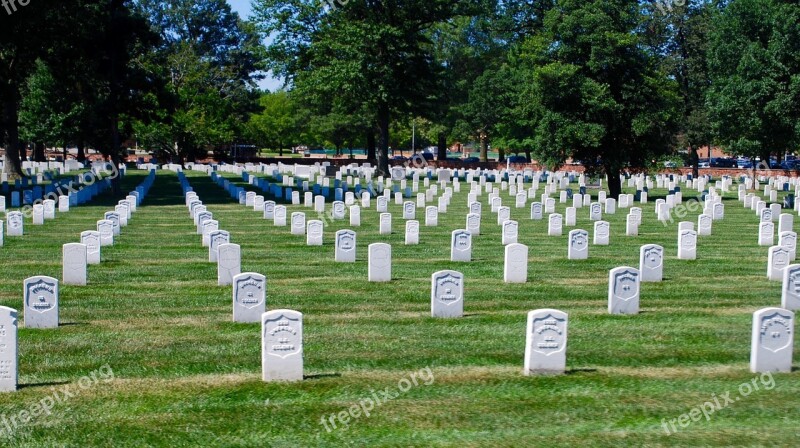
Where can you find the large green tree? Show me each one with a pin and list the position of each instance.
(680, 34)
(373, 56)
(754, 60)
(593, 92)
(274, 126)
(208, 62)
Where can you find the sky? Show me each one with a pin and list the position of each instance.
(244, 10)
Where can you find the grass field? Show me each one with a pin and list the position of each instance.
(185, 375)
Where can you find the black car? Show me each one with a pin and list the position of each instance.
(723, 162)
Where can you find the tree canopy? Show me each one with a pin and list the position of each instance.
(612, 84)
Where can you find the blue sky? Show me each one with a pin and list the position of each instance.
(244, 10)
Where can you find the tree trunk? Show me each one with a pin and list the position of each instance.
(383, 140)
(501, 155)
(528, 154)
(441, 146)
(614, 185)
(695, 161)
(280, 149)
(13, 163)
(81, 151)
(39, 152)
(484, 148)
(371, 144)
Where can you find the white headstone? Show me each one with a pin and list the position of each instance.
(315, 233)
(91, 239)
(510, 232)
(503, 215)
(38, 214)
(345, 250)
(788, 240)
(704, 223)
(623, 290)
(516, 264)
(380, 262)
(9, 354)
(777, 260)
(595, 211)
(355, 216)
(570, 217)
(611, 206)
(578, 245)
(282, 345)
(536, 211)
(280, 216)
(772, 340)
(687, 245)
(106, 229)
(385, 224)
(63, 204)
(298, 223)
(249, 297)
(339, 209)
(790, 293)
(41, 302)
(473, 224)
(229, 263)
(461, 245)
(602, 233)
(785, 222)
(766, 233)
(447, 294)
(74, 264)
(269, 210)
(651, 263)
(546, 342)
(554, 225)
(412, 232)
(49, 209)
(216, 239)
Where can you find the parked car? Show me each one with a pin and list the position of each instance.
(722, 162)
(703, 163)
(471, 160)
(517, 159)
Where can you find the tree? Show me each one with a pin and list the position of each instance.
(593, 93)
(371, 55)
(681, 36)
(754, 59)
(274, 126)
(208, 62)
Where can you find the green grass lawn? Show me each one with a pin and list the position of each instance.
(185, 375)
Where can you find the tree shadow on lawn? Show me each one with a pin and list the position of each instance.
(48, 384)
(319, 376)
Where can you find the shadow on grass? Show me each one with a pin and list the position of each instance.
(576, 371)
(321, 376)
(48, 384)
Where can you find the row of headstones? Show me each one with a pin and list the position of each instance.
(249, 288)
(41, 212)
(77, 256)
(772, 339)
(41, 294)
(771, 349)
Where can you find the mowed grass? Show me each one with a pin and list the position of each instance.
(186, 375)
